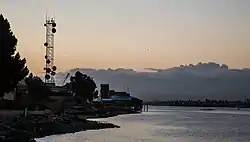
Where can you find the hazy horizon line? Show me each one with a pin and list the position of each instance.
(147, 69)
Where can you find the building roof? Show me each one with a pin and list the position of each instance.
(120, 94)
(114, 98)
(120, 97)
(103, 100)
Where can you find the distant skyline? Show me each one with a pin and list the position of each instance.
(133, 33)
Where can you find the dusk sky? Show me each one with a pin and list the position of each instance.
(133, 33)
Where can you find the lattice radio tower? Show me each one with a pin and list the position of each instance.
(50, 68)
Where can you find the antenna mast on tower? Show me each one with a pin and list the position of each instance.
(50, 68)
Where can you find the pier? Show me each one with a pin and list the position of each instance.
(145, 107)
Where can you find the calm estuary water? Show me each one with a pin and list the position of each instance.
(170, 124)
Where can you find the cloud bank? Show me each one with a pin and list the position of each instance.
(197, 82)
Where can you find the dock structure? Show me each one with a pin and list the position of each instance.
(145, 107)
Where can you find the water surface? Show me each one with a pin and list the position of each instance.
(170, 124)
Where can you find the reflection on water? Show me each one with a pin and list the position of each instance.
(170, 124)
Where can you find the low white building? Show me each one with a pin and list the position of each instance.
(12, 95)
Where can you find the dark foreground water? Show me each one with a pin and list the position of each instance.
(170, 124)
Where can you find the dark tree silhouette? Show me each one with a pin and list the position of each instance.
(83, 86)
(37, 89)
(13, 68)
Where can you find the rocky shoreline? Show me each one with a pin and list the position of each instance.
(26, 128)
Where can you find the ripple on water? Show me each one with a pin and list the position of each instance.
(129, 132)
